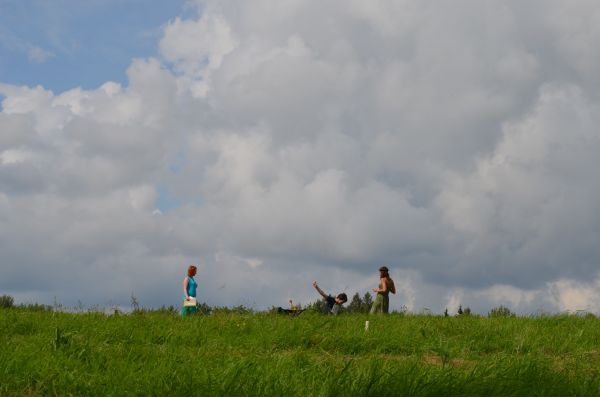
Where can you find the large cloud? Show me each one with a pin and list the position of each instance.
(453, 141)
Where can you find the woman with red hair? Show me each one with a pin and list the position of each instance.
(189, 292)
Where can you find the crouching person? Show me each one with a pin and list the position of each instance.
(332, 305)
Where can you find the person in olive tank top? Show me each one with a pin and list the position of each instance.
(189, 291)
(386, 285)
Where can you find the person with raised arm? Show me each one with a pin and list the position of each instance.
(332, 305)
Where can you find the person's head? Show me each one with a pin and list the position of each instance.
(341, 299)
(384, 272)
(191, 271)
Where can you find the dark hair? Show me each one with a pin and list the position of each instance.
(191, 270)
(384, 270)
(343, 297)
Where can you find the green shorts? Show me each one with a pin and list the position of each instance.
(381, 304)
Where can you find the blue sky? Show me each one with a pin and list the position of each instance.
(62, 44)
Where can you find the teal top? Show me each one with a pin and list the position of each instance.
(191, 287)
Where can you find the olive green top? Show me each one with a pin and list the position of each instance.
(389, 288)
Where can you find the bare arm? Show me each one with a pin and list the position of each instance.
(383, 283)
(185, 285)
(319, 290)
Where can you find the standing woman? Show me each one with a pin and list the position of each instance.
(189, 292)
(386, 285)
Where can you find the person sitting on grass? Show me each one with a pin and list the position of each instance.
(332, 305)
(296, 307)
(293, 310)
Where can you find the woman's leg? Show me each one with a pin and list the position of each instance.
(377, 304)
(188, 310)
(385, 306)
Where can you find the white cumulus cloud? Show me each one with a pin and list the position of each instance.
(277, 143)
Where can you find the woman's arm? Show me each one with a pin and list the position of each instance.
(185, 285)
(383, 283)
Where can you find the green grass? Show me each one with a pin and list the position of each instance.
(45, 353)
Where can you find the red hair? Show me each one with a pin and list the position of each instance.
(191, 270)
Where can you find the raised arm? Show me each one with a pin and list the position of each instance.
(319, 290)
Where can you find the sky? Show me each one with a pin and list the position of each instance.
(64, 44)
(277, 143)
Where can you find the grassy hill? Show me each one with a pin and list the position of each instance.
(50, 353)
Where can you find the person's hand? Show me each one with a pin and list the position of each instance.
(375, 290)
(315, 284)
(187, 298)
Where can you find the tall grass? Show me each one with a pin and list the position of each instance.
(46, 353)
